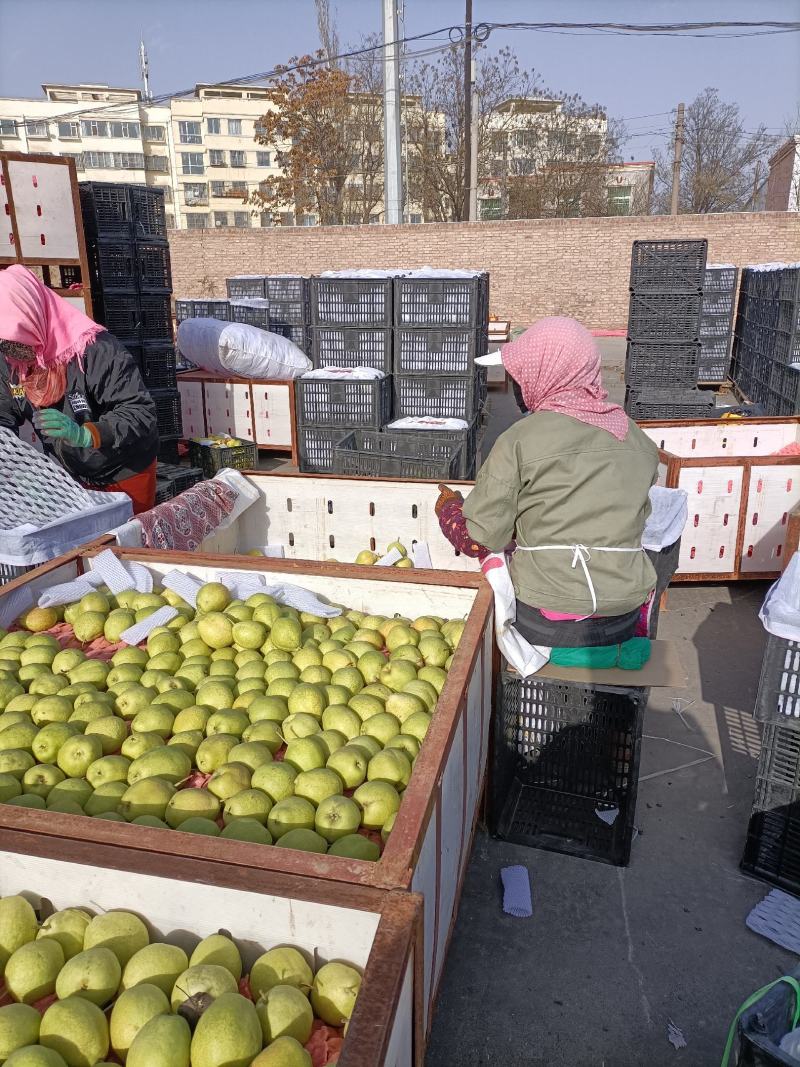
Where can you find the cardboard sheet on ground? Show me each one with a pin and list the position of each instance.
(664, 668)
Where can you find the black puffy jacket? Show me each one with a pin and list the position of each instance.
(108, 392)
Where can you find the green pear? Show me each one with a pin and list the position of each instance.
(108, 769)
(10, 787)
(76, 1029)
(248, 804)
(134, 699)
(189, 804)
(228, 1033)
(355, 847)
(32, 970)
(219, 950)
(18, 737)
(17, 926)
(94, 974)
(137, 744)
(120, 931)
(157, 719)
(247, 829)
(163, 1041)
(91, 670)
(334, 992)
(187, 741)
(275, 779)
(283, 965)
(213, 752)
(41, 779)
(229, 779)
(155, 965)
(270, 708)
(105, 800)
(197, 825)
(192, 718)
(19, 1026)
(51, 709)
(293, 813)
(132, 1010)
(68, 928)
(77, 790)
(149, 796)
(111, 731)
(303, 840)
(284, 1011)
(47, 743)
(77, 754)
(169, 763)
(39, 1056)
(285, 1052)
(204, 978)
(67, 660)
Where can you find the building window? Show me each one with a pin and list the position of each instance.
(287, 218)
(266, 218)
(216, 158)
(8, 128)
(196, 193)
(93, 128)
(522, 167)
(192, 163)
(98, 160)
(491, 207)
(221, 219)
(124, 129)
(238, 159)
(234, 127)
(156, 164)
(415, 218)
(619, 200)
(167, 193)
(196, 221)
(128, 160)
(77, 156)
(155, 133)
(526, 139)
(170, 220)
(190, 133)
(37, 129)
(259, 129)
(241, 219)
(213, 125)
(70, 131)
(218, 188)
(374, 219)
(263, 159)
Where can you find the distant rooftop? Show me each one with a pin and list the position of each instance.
(84, 91)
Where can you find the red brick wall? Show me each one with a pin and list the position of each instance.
(577, 267)
(779, 183)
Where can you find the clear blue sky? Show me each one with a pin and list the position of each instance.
(205, 40)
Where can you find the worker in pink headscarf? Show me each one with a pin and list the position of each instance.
(567, 487)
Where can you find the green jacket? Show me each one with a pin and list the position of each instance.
(552, 480)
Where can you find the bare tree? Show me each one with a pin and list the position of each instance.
(722, 162)
(364, 188)
(328, 34)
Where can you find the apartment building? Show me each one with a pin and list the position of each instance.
(783, 183)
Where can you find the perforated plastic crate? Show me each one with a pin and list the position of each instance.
(438, 302)
(668, 404)
(168, 411)
(288, 312)
(156, 317)
(211, 309)
(211, 458)
(442, 396)
(172, 479)
(247, 286)
(369, 454)
(148, 213)
(715, 325)
(467, 438)
(8, 572)
(719, 279)
(566, 766)
(168, 449)
(292, 287)
(349, 346)
(349, 404)
(315, 446)
(661, 364)
(106, 210)
(153, 266)
(113, 265)
(654, 316)
(669, 266)
(440, 350)
(298, 335)
(254, 312)
(763, 1025)
(772, 846)
(778, 700)
(158, 367)
(121, 315)
(184, 309)
(351, 301)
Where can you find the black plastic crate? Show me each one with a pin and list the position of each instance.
(184, 309)
(719, 279)
(565, 755)
(121, 315)
(168, 450)
(172, 479)
(772, 847)
(288, 287)
(440, 350)
(153, 266)
(156, 317)
(350, 404)
(351, 346)
(369, 454)
(315, 445)
(654, 316)
(298, 335)
(761, 1027)
(715, 362)
(288, 312)
(168, 412)
(467, 438)
(661, 364)
(247, 287)
(351, 301)
(148, 213)
(253, 312)
(668, 266)
(211, 458)
(211, 309)
(778, 700)
(113, 265)
(715, 325)
(157, 363)
(668, 404)
(438, 302)
(715, 303)
(446, 396)
(106, 210)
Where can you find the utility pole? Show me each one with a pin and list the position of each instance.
(473, 150)
(676, 161)
(392, 183)
(468, 80)
(145, 68)
(756, 185)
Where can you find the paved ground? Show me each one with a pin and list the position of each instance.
(612, 954)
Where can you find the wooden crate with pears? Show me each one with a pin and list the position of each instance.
(347, 746)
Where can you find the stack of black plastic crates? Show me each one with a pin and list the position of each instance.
(716, 322)
(131, 282)
(566, 758)
(766, 348)
(663, 356)
(772, 850)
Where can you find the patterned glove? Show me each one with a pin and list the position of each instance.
(52, 423)
(445, 496)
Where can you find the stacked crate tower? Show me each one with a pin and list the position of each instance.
(766, 348)
(716, 322)
(663, 356)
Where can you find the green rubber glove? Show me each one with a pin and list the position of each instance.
(52, 423)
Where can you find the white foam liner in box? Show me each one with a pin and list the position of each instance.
(44, 512)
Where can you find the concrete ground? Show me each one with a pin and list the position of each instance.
(612, 954)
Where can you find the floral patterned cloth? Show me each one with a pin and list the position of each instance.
(185, 522)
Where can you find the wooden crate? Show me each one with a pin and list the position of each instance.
(320, 517)
(429, 847)
(254, 409)
(740, 493)
(183, 900)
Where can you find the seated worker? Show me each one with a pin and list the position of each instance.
(566, 490)
(79, 387)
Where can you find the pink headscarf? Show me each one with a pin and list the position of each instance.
(58, 332)
(556, 364)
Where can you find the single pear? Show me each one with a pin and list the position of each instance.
(32, 970)
(94, 974)
(120, 931)
(76, 1029)
(163, 1041)
(228, 1034)
(220, 950)
(18, 926)
(132, 1010)
(156, 965)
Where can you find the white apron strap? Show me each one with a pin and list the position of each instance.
(580, 555)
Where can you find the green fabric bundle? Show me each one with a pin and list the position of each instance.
(629, 656)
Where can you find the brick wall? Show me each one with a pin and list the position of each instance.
(577, 267)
